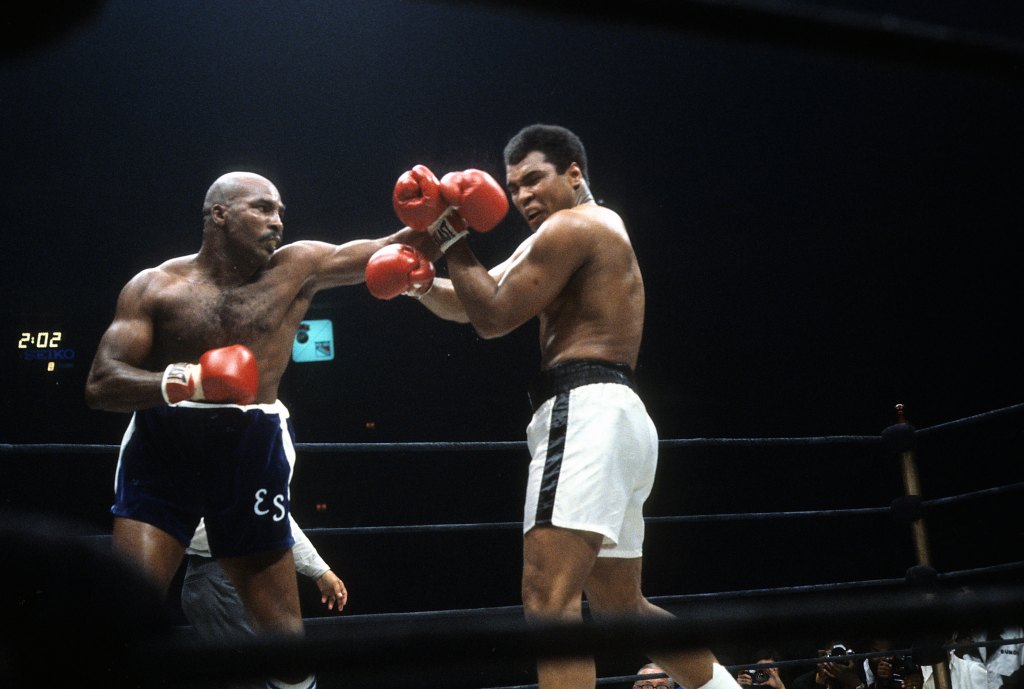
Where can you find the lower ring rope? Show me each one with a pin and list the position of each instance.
(688, 598)
(401, 645)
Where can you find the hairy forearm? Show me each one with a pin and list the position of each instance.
(344, 264)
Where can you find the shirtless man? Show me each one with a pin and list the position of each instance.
(212, 439)
(593, 445)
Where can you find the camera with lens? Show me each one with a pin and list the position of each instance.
(839, 650)
(901, 667)
(758, 675)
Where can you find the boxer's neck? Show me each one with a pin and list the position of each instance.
(583, 194)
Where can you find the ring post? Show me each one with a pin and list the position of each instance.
(903, 431)
(912, 488)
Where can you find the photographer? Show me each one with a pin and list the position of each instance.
(892, 671)
(762, 676)
(834, 673)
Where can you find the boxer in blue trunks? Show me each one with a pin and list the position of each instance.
(593, 445)
(227, 462)
(195, 352)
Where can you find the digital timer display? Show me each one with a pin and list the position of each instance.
(47, 346)
(40, 340)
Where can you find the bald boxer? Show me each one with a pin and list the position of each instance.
(195, 352)
(594, 448)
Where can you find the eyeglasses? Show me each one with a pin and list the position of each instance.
(649, 685)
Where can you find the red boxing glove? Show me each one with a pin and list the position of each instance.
(227, 374)
(418, 203)
(399, 269)
(476, 195)
(417, 198)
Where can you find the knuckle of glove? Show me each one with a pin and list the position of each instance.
(390, 270)
(480, 199)
(230, 374)
(417, 199)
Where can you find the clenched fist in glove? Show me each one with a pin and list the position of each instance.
(399, 269)
(226, 374)
(477, 197)
(444, 207)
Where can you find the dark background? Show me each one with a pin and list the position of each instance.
(829, 224)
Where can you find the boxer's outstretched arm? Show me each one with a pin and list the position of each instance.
(345, 264)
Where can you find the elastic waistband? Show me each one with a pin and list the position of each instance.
(572, 374)
(275, 407)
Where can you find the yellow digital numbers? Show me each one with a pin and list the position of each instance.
(47, 339)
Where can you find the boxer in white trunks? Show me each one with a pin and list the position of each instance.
(593, 445)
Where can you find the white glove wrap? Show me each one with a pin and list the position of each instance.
(444, 232)
(185, 382)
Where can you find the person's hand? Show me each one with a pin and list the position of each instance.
(333, 593)
(774, 679)
(884, 669)
(443, 208)
(840, 675)
(479, 198)
(419, 203)
(399, 269)
(226, 374)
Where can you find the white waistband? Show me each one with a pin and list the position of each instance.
(275, 407)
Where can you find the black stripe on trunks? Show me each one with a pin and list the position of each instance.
(553, 462)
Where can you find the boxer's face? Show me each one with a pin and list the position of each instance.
(255, 219)
(537, 190)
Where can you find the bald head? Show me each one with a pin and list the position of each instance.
(657, 683)
(231, 185)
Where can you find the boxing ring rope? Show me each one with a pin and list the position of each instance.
(400, 647)
(677, 519)
(456, 446)
(803, 662)
(409, 641)
(900, 437)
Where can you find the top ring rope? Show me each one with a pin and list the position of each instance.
(83, 448)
